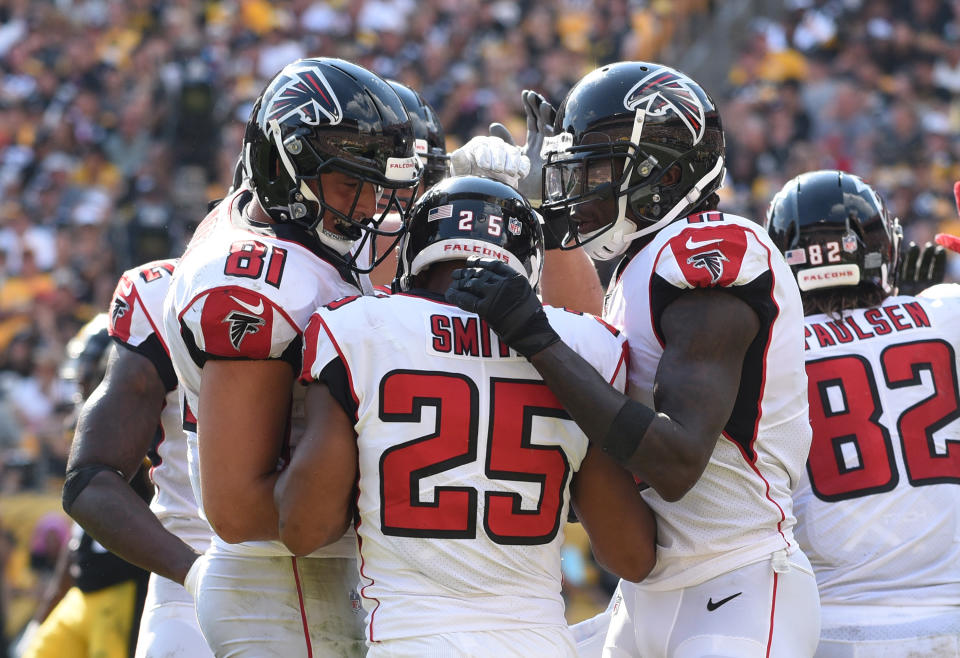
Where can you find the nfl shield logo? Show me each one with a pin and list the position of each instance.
(514, 226)
(850, 243)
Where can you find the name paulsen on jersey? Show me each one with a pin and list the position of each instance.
(874, 322)
(455, 335)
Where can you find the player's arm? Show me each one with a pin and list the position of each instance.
(570, 280)
(243, 412)
(314, 493)
(706, 334)
(621, 527)
(114, 431)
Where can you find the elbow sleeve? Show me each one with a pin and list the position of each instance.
(627, 430)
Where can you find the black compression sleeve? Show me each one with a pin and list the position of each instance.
(78, 479)
(627, 429)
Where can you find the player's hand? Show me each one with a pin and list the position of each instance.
(491, 156)
(921, 268)
(540, 115)
(505, 299)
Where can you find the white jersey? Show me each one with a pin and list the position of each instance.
(245, 290)
(465, 461)
(136, 314)
(739, 511)
(879, 505)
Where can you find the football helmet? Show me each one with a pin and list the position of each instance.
(641, 134)
(431, 143)
(465, 216)
(834, 231)
(324, 115)
(85, 359)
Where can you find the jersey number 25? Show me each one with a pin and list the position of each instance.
(510, 456)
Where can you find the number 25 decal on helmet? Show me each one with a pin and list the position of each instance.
(468, 216)
(638, 146)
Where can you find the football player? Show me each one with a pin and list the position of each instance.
(324, 141)
(93, 606)
(715, 423)
(569, 277)
(877, 506)
(467, 462)
(134, 413)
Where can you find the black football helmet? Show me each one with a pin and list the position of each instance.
(431, 143)
(834, 231)
(622, 133)
(85, 359)
(467, 216)
(322, 115)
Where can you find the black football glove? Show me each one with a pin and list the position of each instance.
(505, 299)
(921, 268)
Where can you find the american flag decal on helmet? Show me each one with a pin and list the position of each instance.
(664, 91)
(307, 93)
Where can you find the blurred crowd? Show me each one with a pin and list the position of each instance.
(869, 87)
(119, 120)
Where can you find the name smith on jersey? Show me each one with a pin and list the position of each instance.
(457, 335)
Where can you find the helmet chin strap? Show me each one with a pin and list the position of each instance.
(616, 241)
(691, 197)
(335, 241)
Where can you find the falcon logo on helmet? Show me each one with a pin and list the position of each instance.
(308, 94)
(711, 261)
(664, 91)
(242, 324)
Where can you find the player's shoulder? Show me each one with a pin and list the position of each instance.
(359, 309)
(577, 328)
(155, 274)
(140, 291)
(943, 303)
(710, 249)
(947, 293)
(265, 267)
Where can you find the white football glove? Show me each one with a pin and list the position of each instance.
(491, 157)
(192, 580)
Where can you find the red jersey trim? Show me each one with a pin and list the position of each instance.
(303, 609)
(624, 362)
(766, 484)
(363, 590)
(773, 610)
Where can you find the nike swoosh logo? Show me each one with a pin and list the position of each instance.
(693, 244)
(711, 606)
(256, 310)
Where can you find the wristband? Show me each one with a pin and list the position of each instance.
(627, 430)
